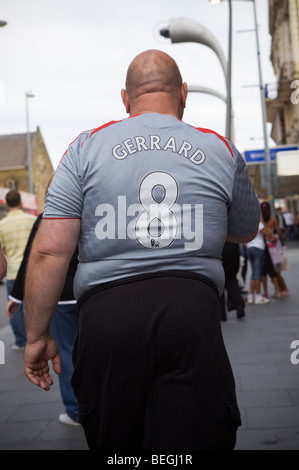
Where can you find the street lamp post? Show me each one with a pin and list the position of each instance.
(264, 114)
(229, 59)
(186, 30)
(262, 96)
(209, 91)
(29, 152)
(2, 91)
(229, 73)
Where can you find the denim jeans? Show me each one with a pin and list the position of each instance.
(256, 258)
(17, 321)
(64, 330)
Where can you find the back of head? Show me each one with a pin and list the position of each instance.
(151, 74)
(265, 211)
(152, 71)
(13, 198)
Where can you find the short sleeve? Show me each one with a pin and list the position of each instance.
(244, 210)
(65, 196)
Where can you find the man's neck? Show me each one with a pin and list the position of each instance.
(154, 111)
(155, 103)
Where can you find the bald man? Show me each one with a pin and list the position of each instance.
(150, 200)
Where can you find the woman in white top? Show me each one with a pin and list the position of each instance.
(256, 254)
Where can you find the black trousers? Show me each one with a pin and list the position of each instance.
(231, 263)
(151, 369)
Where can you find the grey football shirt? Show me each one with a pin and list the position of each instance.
(153, 194)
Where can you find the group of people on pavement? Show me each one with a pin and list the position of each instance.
(267, 259)
(127, 309)
(15, 228)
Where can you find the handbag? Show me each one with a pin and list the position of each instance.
(284, 265)
(276, 252)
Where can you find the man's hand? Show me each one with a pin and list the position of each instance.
(11, 308)
(36, 359)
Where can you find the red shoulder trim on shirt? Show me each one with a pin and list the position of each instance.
(93, 132)
(61, 218)
(110, 123)
(73, 142)
(209, 131)
(103, 127)
(107, 124)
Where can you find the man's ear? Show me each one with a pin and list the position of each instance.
(126, 101)
(184, 93)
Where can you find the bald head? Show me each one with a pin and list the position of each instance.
(154, 83)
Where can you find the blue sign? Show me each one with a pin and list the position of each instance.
(258, 156)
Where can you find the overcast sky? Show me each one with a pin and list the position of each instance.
(73, 55)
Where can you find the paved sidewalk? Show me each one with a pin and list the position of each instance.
(29, 415)
(260, 350)
(267, 382)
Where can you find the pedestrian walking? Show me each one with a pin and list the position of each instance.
(273, 238)
(289, 218)
(15, 228)
(231, 297)
(256, 256)
(150, 200)
(64, 326)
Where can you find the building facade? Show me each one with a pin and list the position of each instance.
(14, 172)
(283, 111)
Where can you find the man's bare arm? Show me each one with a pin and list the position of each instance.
(51, 252)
